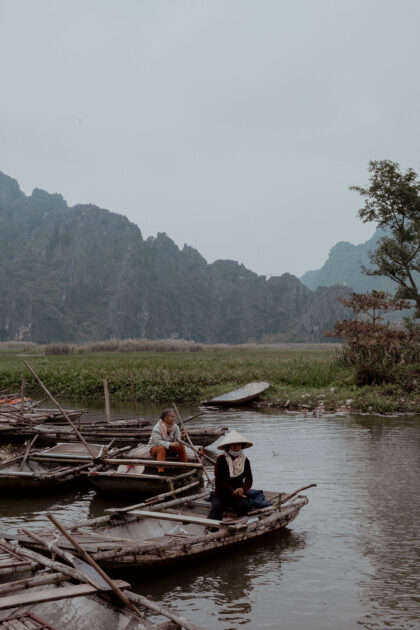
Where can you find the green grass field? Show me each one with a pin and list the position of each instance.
(301, 375)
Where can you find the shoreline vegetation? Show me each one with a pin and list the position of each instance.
(304, 377)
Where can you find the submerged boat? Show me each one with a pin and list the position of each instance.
(240, 396)
(174, 531)
(62, 598)
(49, 470)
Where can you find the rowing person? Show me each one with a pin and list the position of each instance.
(233, 477)
(166, 439)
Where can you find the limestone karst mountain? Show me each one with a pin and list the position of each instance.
(83, 273)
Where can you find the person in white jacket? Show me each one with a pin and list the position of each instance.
(166, 439)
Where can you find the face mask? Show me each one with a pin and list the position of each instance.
(234, 453)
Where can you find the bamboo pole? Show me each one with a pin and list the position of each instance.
(292, 494)
(197, 415)
(162, 610)
(39, 580)
(25, 457)
(152, 500)
(190, 443)
(151, 462)
(79, 435)
(107, 405)
(202, 454)
(41, 559)
(93, 564)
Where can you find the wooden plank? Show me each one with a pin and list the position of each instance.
(52, 594)
(182, 518)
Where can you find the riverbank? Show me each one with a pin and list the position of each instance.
(302, 378)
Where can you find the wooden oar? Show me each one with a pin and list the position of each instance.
(82, 567)
(93, 564)
(25, 457)
(190, 443)
(57, 404)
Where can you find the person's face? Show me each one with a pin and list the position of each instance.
(169, 420)
(235, 447)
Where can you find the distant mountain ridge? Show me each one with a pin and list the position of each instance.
(83, 273)
(343, 266)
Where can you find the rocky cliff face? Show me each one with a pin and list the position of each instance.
(84, 273)
(343, 267)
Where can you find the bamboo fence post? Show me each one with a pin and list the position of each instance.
(25, 457)
(93, 564)
(22, 396)
(134, 395)
(190, 443)
(107, 405)
(57, 404)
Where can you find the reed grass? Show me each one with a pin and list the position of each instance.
(299, 376)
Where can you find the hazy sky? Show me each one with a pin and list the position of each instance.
(235, 126)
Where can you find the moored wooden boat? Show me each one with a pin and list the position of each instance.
(138, 477)
(240, 396)
(175, 531)
(49, 470)
(50, 434)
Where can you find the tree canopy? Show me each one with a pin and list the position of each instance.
(392, 200)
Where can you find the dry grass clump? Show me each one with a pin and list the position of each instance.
(59, 348)
(142, 345)
(20, 346)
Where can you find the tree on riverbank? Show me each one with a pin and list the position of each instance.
(372, 345)
(392, 201)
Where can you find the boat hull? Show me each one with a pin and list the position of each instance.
(208, 545)
(241, 396)
(135, 486)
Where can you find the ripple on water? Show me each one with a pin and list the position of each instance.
(347, 561)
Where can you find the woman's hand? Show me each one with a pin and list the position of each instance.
(183, 434)
(239, 492)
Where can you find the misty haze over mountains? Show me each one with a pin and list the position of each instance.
(83, 273)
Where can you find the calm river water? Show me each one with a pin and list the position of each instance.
(351, 558)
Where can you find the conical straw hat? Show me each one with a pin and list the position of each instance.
(232, 438)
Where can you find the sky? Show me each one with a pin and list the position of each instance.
(235, 126)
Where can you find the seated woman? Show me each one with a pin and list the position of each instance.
(166, 438)
(233, 477)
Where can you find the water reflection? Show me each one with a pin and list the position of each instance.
(231, 581)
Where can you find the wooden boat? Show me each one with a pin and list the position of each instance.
(49, 470)
(16, 426)
(135, 475)
(124, 436)
(240, 396)
(174, 531)
(47, 599)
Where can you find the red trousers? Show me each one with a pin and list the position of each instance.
(175, 449)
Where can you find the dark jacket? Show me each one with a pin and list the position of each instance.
(225, 484)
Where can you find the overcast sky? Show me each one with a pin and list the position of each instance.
(235, 126)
